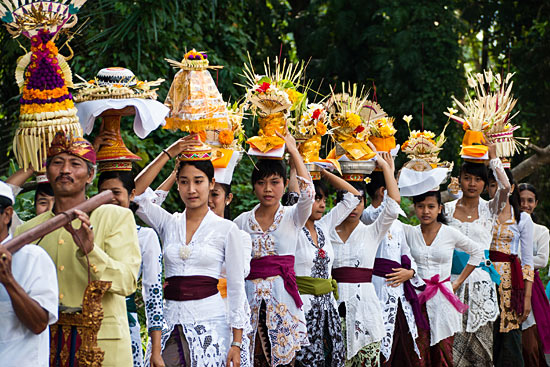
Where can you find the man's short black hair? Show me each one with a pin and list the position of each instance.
(43, 188)
(5, 203)
(265, 168)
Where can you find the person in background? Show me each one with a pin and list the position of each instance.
(355, 246)
(535, 335)
(432, 243)
(121, 183)
(28, 297)
(475, 218)
(394, 278)
(43, 195)
(512, 255)
(278, 321)
(313, 266)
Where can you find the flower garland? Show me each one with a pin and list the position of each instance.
(44, 88)
(313, 121)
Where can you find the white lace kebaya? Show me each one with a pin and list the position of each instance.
(393, 247)
(206, 322)
(321, 311)
(482, 294)
(364, 321)
(285, 321)
(541, 238)
(445, 320)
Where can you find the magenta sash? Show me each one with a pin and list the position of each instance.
(541, 311)
(349, 274)
(383, 267)
(188, 288)
(273, 265)
(433, 285)
(518, 291)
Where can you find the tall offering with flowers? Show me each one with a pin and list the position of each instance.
(43, 76)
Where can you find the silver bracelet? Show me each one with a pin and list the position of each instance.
(236, 344)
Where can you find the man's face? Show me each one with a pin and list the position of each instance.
(68, 174)
(5, 219)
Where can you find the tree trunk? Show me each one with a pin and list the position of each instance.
(529, 165)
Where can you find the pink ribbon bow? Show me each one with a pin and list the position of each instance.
(433, 285)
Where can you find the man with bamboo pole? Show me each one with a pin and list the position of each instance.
(102, 246)
(28, 296)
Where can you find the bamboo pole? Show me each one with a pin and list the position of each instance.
(58, 221)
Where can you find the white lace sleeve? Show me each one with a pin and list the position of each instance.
(247, 250)
(382, 224)
(406, 251)
(151, 261)
(526, 228)
(540, 246)
(498, 203)
(370, 214)
(151, 213)
(236, 296)
(302, 210)
(14, 189)
(468, 246)
(160, 197)
(340, 211)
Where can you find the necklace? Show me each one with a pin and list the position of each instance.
(185, 251)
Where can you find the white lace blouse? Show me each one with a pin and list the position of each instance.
(437, 258)
(483, 306)
(151, 272)
(215, 240)
(541, 239)
(286, 322)
(393, 246)
(307, 252)
(364, 322)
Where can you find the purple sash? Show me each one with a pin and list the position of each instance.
(541, 311)
(383, 267)
(187, 288)
(273, 265)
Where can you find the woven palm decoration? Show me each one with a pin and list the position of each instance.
(195, 103)
(43, 75)
(489, 113)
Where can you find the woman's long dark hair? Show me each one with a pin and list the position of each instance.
(227, 210)
(205, 166)
(476, 169)
(127, 180)
(420, 198)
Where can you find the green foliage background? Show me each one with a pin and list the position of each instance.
(415, 53)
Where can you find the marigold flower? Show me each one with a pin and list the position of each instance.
(293, 96)
(225, 137)
(321, 128)
(353, 120)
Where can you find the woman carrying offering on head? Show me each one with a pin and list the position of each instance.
(200, 330)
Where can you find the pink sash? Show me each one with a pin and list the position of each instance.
(433, 285)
